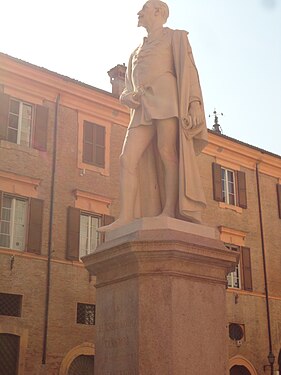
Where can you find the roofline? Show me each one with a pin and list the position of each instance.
(85, 85)
(244, 144)
(61, 76)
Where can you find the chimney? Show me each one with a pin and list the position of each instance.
(117, 79)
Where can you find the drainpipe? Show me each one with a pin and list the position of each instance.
(50, 238)
(270, 356)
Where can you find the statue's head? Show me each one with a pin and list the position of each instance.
(153, 11)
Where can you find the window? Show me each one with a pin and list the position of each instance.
(82, 235)
(19, 125)
(241, 277)
(20, 223)
(234, 278)
(89, 236)
(13, 222)
(9, 354)
(86, 313)
(23, 123)
(94, 144)
(229, 186)
(10, 304)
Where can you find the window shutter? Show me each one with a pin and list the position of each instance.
(34, 240)
(247, 271)
(217, 183)
(41, 128)
(100, 145)
(279, 198)
(105, 220)
(73, 233)
(242, 194)
(88, 147)
(4, 115)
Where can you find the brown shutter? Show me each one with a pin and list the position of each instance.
(278, 186)
(34, 239)
(247, 271)
(73, 233)
(105, 220)
(217, 183)
(41, 128)
(4, 115)
(242, 193)
(88, 148)
(100, 145)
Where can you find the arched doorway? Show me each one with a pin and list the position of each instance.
(239, 370)
(82, 365)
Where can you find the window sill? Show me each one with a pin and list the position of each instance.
(13, 146)
(231, 207)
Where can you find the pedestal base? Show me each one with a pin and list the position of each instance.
(161, 306)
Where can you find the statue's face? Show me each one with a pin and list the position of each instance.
(146, 16)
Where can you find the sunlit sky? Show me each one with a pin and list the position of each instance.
(236, 45)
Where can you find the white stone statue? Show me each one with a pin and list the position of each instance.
(159, 173)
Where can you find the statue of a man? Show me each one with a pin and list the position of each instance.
(167, 129)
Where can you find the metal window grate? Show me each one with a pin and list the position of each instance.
(9, 352)
(86, 313)
(10, 304)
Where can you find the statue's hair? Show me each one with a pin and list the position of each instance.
(163, 7)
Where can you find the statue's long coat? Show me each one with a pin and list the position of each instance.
(191, 139)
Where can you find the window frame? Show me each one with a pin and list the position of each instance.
(90, 217)
(82, 165)
(22, 103)
(239, 183)
(245, 268)
(12, 222)
(237, 272)
(226, 194)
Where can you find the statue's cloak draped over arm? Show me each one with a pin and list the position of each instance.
(192, 140)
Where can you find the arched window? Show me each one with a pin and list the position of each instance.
(83, 364)
(239, 370)
(9, 354)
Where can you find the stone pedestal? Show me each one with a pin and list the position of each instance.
(161, 306)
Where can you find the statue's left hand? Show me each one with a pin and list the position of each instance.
(196, 113)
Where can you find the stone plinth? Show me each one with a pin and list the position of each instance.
(161, 306)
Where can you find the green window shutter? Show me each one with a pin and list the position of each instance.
(241, 188)
(247, 271)
(73, 233)
(41, 128)
(217, 182)
(34, 239)
(4, 115)
(278, 186)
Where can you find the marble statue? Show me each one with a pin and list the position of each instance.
(167, 129)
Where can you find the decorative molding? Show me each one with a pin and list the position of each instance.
(241, 361)
(232, 236)
(92, 202)
(17, 184)
(83, 349)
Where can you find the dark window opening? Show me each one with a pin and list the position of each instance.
(10, 304)
(86, 313)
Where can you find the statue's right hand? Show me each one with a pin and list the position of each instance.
(131, 100)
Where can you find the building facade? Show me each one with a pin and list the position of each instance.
(60, 142)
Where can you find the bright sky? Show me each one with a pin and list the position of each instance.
(236, 45)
